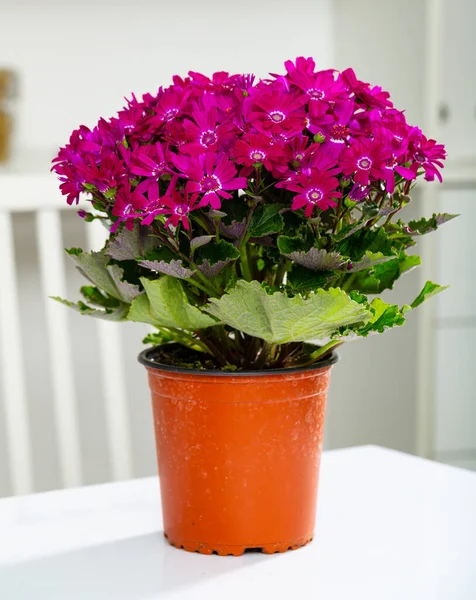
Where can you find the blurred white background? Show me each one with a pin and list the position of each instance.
(413, 389)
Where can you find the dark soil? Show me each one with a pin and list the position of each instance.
(185, 358)
(176, 355)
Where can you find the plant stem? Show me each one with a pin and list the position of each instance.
(216, 352)
(346, 286)
(280, 272)
(321, 352)
(244, 262)
(265, 353)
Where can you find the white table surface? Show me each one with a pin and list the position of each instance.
(390, 526)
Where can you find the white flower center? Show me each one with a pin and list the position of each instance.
(170, 114)
(181, 209)
(257, 155)
(314, 195)
(364, 163)
(277, 116)
(208, 138)
(315, 94)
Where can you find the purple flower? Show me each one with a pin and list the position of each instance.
(359, 192)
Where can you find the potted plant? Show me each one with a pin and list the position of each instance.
(247, 218)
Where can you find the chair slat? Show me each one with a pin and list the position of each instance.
(50, 247)
(12, 385)
(113, 381)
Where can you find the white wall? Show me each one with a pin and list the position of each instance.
(373, 396)
(76, 61)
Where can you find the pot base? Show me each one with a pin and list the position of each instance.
(226, 550)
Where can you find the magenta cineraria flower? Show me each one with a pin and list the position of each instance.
(72, 183)
(176, 204)
(256, 148)
(128, 205)
(429, 155)
(313, 133)
(339, 131)
(323, 86)
(153, 160)
(210, 175)
(315, 188)
(203, 132)
(397, 150)
(370, 97)
(365, 159)
(106, 175)
(170, 105)
(272, 110)
(219, 81)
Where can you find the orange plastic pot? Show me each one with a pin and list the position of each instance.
(238, 455)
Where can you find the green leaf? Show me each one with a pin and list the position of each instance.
(301, 279)
(201, 240)
(130, 245)
(385, 316)
(318, 260)
(214, 257)
(429, 290)
(95, 296)
(109, 278)
(218, 251)
(126, 291)
(382, 276)
(363, 240)
(174, 268)
(233, 231)
(352, 228)
(159, 338)
(166, 305)
(287, 245)
(278, 319)
(140, 311)
(266, 220)
(165, 261)
(423, 226)
(117, 314)
(370, 209)
(387, 273)
(370, 259)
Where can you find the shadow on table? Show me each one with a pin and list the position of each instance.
(135, 568)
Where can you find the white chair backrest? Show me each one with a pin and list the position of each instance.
(20, 193)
